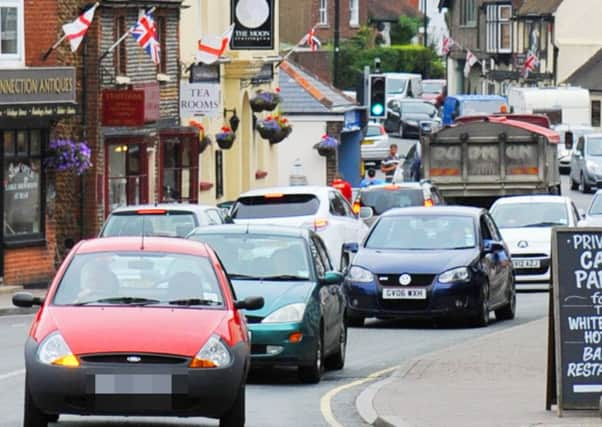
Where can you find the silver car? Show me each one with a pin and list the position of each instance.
(375, 145)
(566, 147)
(586, 163)
(593, 216)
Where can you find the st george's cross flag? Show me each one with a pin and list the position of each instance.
(211, 47)
(531, 61)
(76, 30)
(446, 45)
(311, 40)
(471, 59)
(145, 33)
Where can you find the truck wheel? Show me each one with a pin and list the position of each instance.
(583, 187)
(574, 185)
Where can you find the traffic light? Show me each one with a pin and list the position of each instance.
(377, 96)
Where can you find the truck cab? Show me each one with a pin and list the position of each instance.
(456, 106)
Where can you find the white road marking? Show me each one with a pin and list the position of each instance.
(12, 374)
(325, 406)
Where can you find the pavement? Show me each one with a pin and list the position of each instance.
(6, 305)
(495, 380)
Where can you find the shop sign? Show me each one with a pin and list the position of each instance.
(21, 196)
(199, 99)
(265, 75)
(253, 24)
(37, 85)
(122, 107)
(39, 111)
(204, 73)
(152, 100)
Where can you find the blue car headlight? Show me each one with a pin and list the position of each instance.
(359, 274)
(459, 274)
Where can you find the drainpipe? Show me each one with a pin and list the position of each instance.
(337, 19)
(84, 131)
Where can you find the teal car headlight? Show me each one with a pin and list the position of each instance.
(460, 274)
(359, 274)
(287, 314)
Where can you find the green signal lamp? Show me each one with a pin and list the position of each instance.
(377, 109)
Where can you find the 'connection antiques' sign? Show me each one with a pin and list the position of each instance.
(199, 99)
(577, 321)
(253, 24)
(122, 107)
(37, 85)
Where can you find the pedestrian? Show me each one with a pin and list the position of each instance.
(371, 179)
(343, 186)
(389, 164)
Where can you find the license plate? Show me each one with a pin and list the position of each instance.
(404, 293)
(133, 384)
(367, 142)
(526, 263)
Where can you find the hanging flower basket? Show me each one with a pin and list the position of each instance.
(280, 135)
(67, 155)
(225, 138)
(327, 145)
(265, 101)
(267, 127)
(204, 140)
(274, 128)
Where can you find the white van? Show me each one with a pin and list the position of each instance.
(403, 85)
(565, 104)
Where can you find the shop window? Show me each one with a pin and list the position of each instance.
(162, 37)
(120, 52)
(179, 170)
(23, 184)
(11, 31)
(127, 175)
(219, 174)
(499, 28)
(596, 113)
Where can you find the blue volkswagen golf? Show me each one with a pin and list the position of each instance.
(438, 262)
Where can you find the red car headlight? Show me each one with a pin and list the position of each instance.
(214, 354)
(55, 351)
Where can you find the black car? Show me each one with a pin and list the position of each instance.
(404, 116)
(438, 262)
(383, 197)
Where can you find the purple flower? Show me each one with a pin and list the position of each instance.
(66, 155)
(328, 141)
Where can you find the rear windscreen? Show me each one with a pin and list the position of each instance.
(381, 200)
(168, 224)
(275, 206)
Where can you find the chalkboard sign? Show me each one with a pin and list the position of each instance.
(577, 293)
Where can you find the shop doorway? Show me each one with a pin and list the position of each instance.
(179, 169)
(127, 174)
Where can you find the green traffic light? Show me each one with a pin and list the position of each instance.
(377, 109)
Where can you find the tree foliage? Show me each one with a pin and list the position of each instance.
(405, 29)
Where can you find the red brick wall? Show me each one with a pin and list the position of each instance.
(318, 63)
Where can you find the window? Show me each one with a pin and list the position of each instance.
(180, 170)
(323, 12)
(162, 37)
(354, 13)
(596, 113)
(318, 261)
(499, 28)
(11, 30)
(535, 37)
(127, 177)
(120, 53)
(337, 207)
(468, 13)
(23, 183)
(275, 205)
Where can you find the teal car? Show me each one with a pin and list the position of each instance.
(302, 322)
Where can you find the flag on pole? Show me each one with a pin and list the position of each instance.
(446, 44)
(531, 61)
(311, 40)
(76, 30)
(145, 33)
(210, 48)
(471, 59)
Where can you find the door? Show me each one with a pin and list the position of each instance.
(348, 227)
(500, 263)
(179, 169)
(577, 160)
(126, 174)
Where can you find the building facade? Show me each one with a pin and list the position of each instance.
(248, 66)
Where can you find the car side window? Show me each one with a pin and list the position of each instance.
(575, 213)
(318, 262)
(346, 206)
(580, 145)
(337, 207)
(485, 232)
(215, 217)
(495, 232)
(439, 196)
(323, 253)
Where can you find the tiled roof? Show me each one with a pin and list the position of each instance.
(589, 75)
(538, 7)
(304, 93)
(390, 9)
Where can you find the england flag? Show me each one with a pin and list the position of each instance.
(210, 48)
(76, 30)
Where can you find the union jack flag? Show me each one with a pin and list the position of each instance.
(145, 33)
(529, 65)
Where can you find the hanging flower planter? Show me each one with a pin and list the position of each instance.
(327, 145)
(225, 138)
(260, 174)
(274, 128)
(265, 101)
(204, 140)
(281, 135)
(67, 155)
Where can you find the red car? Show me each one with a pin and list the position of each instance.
(138, 326)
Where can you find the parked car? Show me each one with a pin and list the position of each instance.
(593, 216)
(381, 198)
(433, 90)
(322, 209)
(436, 262)
(586, 163)
(569, 135)
(376, 143)
(302, 323)
(526, 225)
(404, 116)
(166, 220)
(114, 336)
